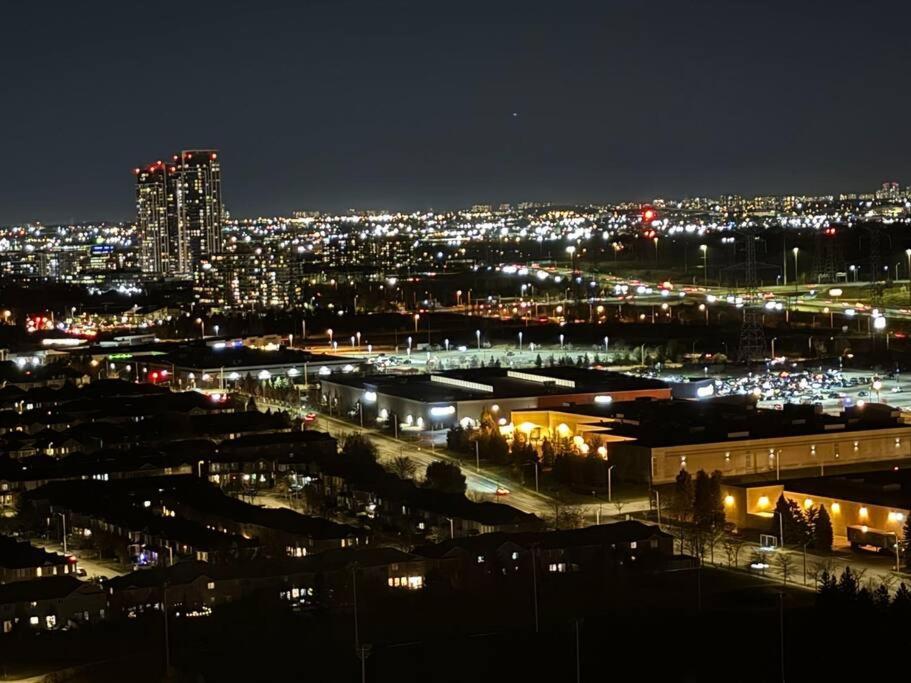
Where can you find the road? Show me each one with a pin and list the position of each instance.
(479, 482)
(873, 570)
(92, 567)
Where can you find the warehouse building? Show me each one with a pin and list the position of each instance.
(443, 400)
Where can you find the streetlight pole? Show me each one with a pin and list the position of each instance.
(534, 586)
(908, 254)
(610, 497)
(63, 517)
(477, 334)
(704, 248)
(795, 250)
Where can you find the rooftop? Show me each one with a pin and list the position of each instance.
(19, 554)
(662, 423)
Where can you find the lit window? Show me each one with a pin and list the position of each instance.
(34, 621)
(480, 559)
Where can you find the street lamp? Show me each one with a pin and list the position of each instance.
(477, 334)
(417, 316)
(795, 251)
(561, 341)
(908, 254)
(520, 341)
(329, 332)
(63, 517)
(704, 248)
(202, 327)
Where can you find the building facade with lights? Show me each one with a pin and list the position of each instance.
(179, 212)
(878, 500)
(458, 397)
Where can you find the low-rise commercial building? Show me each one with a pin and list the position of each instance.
(651, 441)
(443, 400)
(879, 500)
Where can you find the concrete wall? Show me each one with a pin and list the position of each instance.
(769, 456)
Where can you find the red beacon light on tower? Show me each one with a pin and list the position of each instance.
(649, 214)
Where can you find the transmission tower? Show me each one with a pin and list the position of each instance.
(752, 337)
(826, 255)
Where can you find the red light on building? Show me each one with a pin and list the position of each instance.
(830, 232)
(649, 214)
(154, 376)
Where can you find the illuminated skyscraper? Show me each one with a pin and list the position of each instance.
(163, 240)
(179, 212)
(200, 209)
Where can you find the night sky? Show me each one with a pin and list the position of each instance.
(393, 104)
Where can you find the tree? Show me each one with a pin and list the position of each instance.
(403, 467)
(732, 548)
(538, 362)
(444, 477)
(547, 453)
(568, 517)
(902, 599)
(848, 585)
(492, 446)
(822, 530)
(881, 597)
(708, 509)
(458, 439)
(522, 451)
(359, 450)
(682, 499)
(795, 526)
(785, 562)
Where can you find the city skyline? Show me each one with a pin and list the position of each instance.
(331, 106)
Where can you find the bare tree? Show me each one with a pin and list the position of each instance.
(403, 467)
(819, 568)
(732, 547)
(715, 537)
(785, 562)
(568, 517)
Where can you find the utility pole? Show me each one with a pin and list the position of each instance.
(578, 652)
(534, 584)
